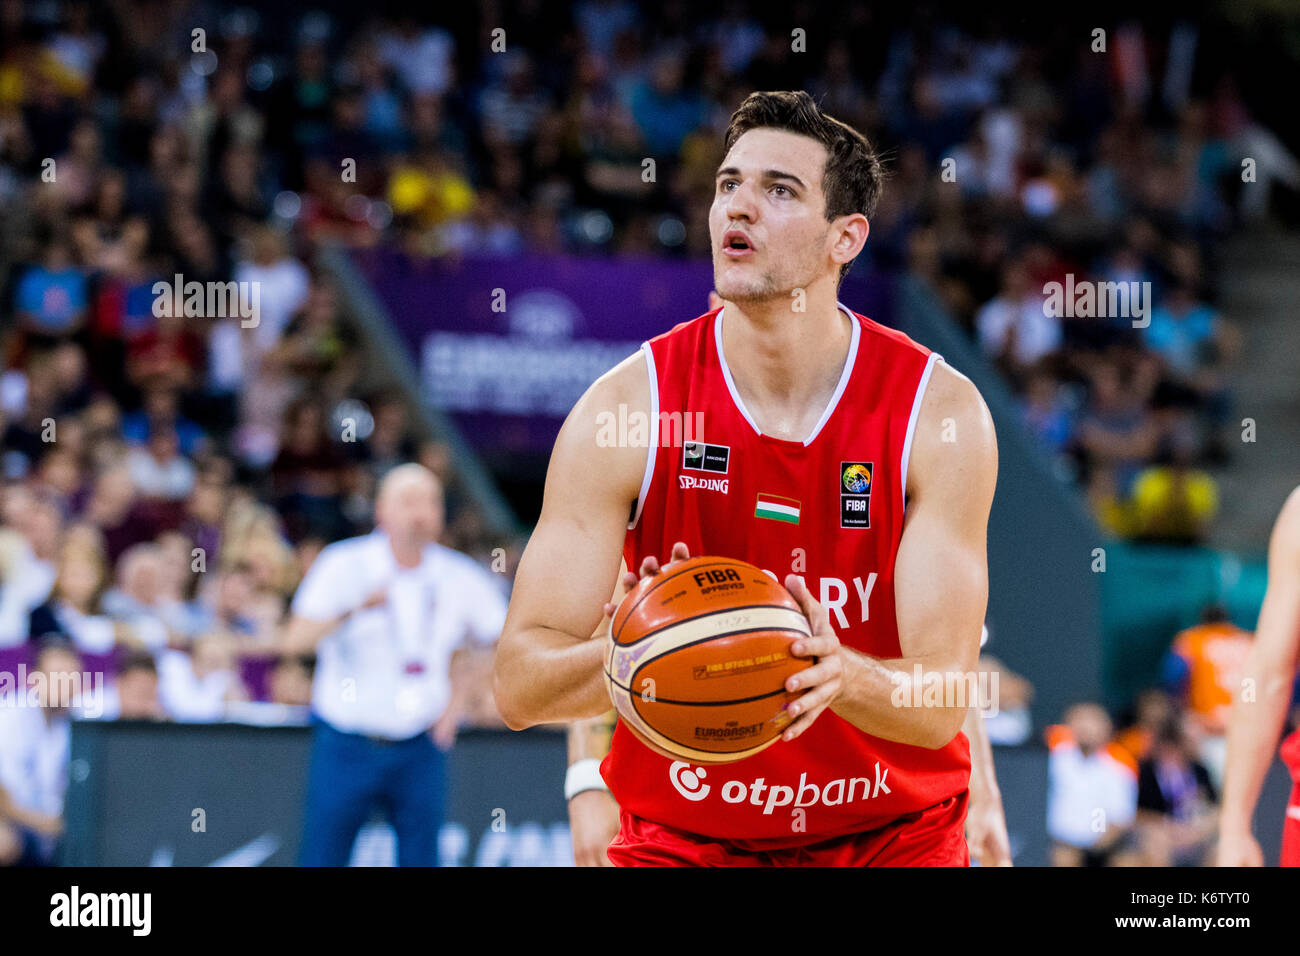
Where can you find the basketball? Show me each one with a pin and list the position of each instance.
(698, 659)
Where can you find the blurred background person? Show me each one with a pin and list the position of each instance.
(384, 613)
(1091, 790)
(34, 759)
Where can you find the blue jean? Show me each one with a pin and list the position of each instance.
(351, 775)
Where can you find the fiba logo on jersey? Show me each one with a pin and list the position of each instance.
(856, 479)
(855, 494)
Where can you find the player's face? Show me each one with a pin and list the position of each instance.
(768, 191)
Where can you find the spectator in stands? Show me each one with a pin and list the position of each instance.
(31, 561)
(34, 759)
(291, 680)
(306, 476)
(136, 601)
(52, 298)
(1016, 328)
(161, 474)
(113, 508)
(72, 610)
(1172, 501)
(1203, 671)
(197, 686)
(136, 686)
(1176, 818)
(1091, 790)
(1155, 709)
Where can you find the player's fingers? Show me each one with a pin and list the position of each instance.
(816, 614)
(800, 724)
(812, 676)
(680, 553)
(649, 566)
(814, 700)
(819, 645)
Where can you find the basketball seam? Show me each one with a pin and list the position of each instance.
(664, 579)
(656, 699)
(725, 610)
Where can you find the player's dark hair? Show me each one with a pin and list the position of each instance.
(853, 176)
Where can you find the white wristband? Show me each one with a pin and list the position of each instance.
(583, 775)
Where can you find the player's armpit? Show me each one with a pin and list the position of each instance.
(547, 667)
(940, 574)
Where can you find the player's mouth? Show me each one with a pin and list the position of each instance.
(736, 245)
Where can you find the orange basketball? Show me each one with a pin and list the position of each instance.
(698, 659)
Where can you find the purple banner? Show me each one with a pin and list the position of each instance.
(506, 346)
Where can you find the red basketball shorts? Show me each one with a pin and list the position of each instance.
(933, 837)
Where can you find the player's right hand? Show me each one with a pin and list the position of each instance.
(649, 568)
(593, 822)
(1239, 849)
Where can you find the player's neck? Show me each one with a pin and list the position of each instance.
(785, 364)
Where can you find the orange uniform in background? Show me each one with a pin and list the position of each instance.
(1214, 654)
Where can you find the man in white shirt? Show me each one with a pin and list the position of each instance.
(34, 740)
(384, 612)
(1091, 790)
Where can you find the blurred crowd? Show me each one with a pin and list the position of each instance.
(1147, 793)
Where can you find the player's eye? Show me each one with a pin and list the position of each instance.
(784, 191)
(725, 183)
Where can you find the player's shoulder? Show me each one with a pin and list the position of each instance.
(883, 337)
(1287, 525)
(953, 413)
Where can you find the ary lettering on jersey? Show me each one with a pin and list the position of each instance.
(847, 602)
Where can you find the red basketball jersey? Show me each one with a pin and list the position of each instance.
(830, 508)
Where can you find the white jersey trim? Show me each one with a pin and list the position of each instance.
(855, 335)
(911, 422)
(654, 434)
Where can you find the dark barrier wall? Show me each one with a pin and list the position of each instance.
(230, 794)
(145, 794)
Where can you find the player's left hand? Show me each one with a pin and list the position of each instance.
(986, 831)
(822, 682)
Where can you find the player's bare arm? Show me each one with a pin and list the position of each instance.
(548, 667)
(593, 812)
(1256, 724)
(940, 581)
(986, 821)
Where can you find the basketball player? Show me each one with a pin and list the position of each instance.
(1257, 718)
(850, 455)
